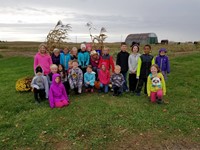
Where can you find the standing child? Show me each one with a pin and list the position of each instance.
(143, 70)
(122, 61)
(76, 78)
(104, 78)
(94, 61)
(83, 58)
(43, 59)
(40, 85)
(132, 64)
(74, 53)
(156, 85)
(65, 57)
(56, 56)
(117, 80)
(89, 79)
(163, 62)
(106, 59)
(54, 69)
(57, 95)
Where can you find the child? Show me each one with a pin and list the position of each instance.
(163, 62)
(104, 78)
(89, 79)
(56, 56)
(122, 61)
(65, 57)
(54, 69)
(88, 47)
(94, 61)
(76, 78)
(70, 66)
(63, 75)
(117, 80)
(83, 58)
(43, 59)
(74, 53)
(40, 85)
(156, 85)
(106, 59)
(57, 95)
(132, 64)
(143, 70)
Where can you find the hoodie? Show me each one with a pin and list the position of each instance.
(104, 76)
(57, 92)
(163, 63)
(40, 82)
(108, 61)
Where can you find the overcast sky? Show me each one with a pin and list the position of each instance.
(176, 20)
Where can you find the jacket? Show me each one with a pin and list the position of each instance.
(104, 76)
(83, 58)
(64, 59)
(55, 59)
(156, 83)
(122, 60)
(163, 63)
(133, 62)
(108, 61)
(117, 79)
(57, 92)
(44, 61)
(89, 77)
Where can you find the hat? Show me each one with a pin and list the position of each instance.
(38, 69)
(88, 45)
(93, 53)
(83, 45)
(162, 49)
(135, 44)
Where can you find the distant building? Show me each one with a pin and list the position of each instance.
(142, 38)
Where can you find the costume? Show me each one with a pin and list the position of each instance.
(40, 85)
(156, 87)
(43, 60)
(57, 94)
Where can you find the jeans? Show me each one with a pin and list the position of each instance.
(104, 87)
(125, 87)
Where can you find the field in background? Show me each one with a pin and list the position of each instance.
(100, 121)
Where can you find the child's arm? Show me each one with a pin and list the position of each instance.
(118, 59)
(139, 67)
(148, 85)
(85, 79)
(168, 66)
(33, 85)
(153, 61)
(112, 63)
(129, 64)
(35, 62)
(163, 84)
(61, 59)
(51, 100)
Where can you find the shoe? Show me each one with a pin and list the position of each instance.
(159, 101)
(92, 90)
(86, 90)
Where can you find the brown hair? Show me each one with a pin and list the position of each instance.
(123, 43)
(89, 66)
(156, 66)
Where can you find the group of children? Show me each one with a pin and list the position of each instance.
(61, 72)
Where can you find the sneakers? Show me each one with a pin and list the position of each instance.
(159, 101)
(92, 90)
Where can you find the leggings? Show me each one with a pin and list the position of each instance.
(154, 95)
(61, 103)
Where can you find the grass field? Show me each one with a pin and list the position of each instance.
(100, 121)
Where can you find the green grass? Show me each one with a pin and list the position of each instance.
(98, 121)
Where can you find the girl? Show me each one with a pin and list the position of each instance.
(43, 59)
(94, 61)
(74, 53)
(65, 57)
(56, 56)
(104, 78)
(57, 95)
(88, 47)
(54, 69)
(156, 85)
(132, 64)
(89, 79)
(63, 75)
(163, 62)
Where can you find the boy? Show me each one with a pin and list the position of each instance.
(143, 70)
(122, 61)
(117, 80)
(76, 78)
(40, 85)
(54, 69)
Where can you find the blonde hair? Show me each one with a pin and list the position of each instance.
(56, 50)
(117, 67)
(53, 66)
(43, 44)
(74, 49)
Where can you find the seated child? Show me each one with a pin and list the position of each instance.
(156, 85)
(76, 78)
(54, 69)
(104, 78)
(57, 95)
(117, 80)
(64, 78)
(94, 61)
(40, 85)
(89, 79)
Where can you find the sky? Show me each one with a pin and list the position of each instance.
(175, 20)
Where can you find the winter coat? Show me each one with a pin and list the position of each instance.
(104, 76)
(55, 59)
(57, 92)
(89, 77)
(64, 59)
(44, 61)
(108, 61)
(163, 63)
(117, 79)
(122, 61)
(83, 59)
(133, 62)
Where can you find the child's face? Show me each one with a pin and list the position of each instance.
(42, 50)
(56, 54)
(154, 70)
(70, 65)
(39, 73)
(95, 56)
(147, 49)
(103, 67)
(66, 50)
(74, 52)
(89, 70)
(60, 68)
(117, 70)
(83, 49)
(57, 79)
(105, 51)
(75, 64)
(123, 48)
(135, 49)
(89, 49)
(54, 70)
(162, 53)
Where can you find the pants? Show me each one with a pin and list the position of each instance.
(125, 87)
(140, 85)
(164, 73)
(89, 86)
(117, 90)
(104, 87)
(154, 95)
(132, 82)
(67, 86)
(61, 104)
(39, 94)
